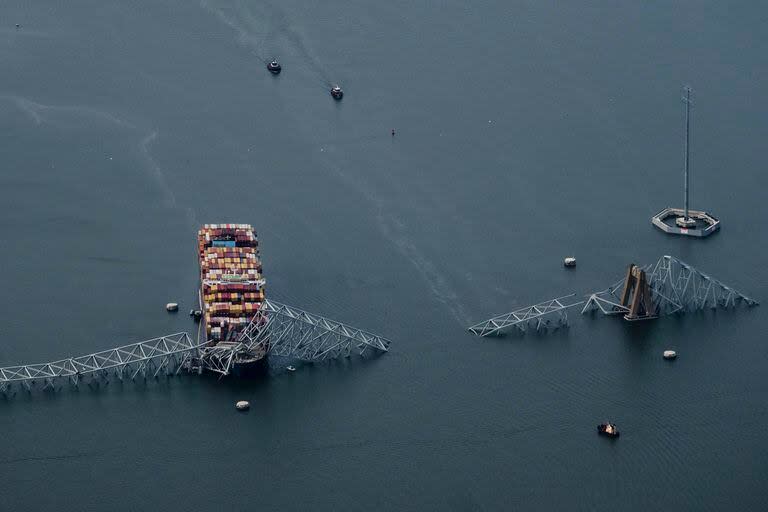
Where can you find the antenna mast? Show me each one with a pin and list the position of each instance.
(686, 222)
(688, 102)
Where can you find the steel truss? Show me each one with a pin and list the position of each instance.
(523, 317)
(291, 332)
(166, 353)
(281, 330)
(676, 287)
(276, 329)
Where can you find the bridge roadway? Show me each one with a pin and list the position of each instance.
(279, 329)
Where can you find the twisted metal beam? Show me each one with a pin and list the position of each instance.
(676, 287)
(276, 329)
(287, 331)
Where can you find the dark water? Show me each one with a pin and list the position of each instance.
(526, 131)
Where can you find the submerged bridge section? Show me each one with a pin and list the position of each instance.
(674, 286)
(670, 286)
(293, 333)
(542, 315)
(166, 353)
(278, 329)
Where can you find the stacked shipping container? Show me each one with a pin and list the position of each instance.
(232, 287)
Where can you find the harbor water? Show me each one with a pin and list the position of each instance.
(524, 132)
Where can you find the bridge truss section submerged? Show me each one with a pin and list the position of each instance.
(541, 314)
(285, 331)
(294, 333)
(166, 353)
(674, 287)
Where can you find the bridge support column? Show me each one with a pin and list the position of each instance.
(637, 290)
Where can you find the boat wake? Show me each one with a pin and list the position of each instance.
(261, 34)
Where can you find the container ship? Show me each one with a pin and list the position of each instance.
(231, 287)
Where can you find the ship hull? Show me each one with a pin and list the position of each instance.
(251, 369)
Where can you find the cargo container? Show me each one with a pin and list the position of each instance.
(231, 286)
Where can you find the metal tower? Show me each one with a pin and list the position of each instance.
(686, 221)
(687, 100)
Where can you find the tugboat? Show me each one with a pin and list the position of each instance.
(274, 67)
(608, 429)
(336, 92)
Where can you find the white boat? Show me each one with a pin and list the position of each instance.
(670, 354)
(242, 405)
(290, 368)
(172, 306)
(569, 261)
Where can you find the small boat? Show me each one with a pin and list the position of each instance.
(242, 405)
(290, 368)
(274, 67)
(336, 92)
(608, 429)
(670, 354)
(171, 307)
(569, 261)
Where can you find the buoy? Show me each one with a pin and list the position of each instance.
(172, 306)
(670, 354)
(393, 132)
(569, 261)
(242, 405)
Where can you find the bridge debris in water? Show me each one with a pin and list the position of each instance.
(167, 353)
(674, 287)
(293, 333)
(670, 286)
(523, 317)
(284, 330)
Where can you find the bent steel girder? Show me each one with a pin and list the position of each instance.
(174, 348)
(291, 332)
(521, 317)
(280, 329)
(679, 287)
(219, 357)
(676, 287)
